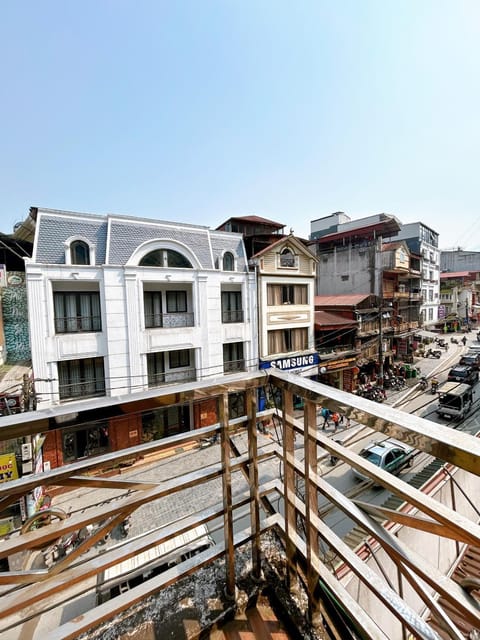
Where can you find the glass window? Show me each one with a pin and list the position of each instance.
(152, 303)
(85, 441)
(155, 369)
(176, 301)
(79, 252)
(278, 294)
(228, 261)
(81, 378)
(233, 357)
(179, 358)
(77, 312)
(165, 258)
(287, 258)
(285, 340)
(232, 306)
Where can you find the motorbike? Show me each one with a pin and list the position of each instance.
(433, 386)
(453, 340)
(423, 384)
(432, 353)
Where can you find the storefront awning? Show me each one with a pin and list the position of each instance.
(425, 334)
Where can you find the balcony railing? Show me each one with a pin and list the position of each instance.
(233, 366)
(232, 316)
(382, 584)
(78, 324)
(169, 320)
(172, 377)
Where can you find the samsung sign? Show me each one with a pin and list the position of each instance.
(292, 362)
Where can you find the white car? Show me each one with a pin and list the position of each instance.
(389, 455)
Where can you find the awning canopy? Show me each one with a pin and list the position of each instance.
(425, 334)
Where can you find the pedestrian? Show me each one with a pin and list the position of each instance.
(335, 420)
(464, 340)
(326, 415)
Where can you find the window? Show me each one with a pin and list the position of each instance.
(285, 340)
(278, 294)
(287, 258)
(165, 258)
(162, 423)
(79, 252)
(232, 306)
(228, 261)
(233, 357)
(85, 441)
(152, 303)
(430, 314)
(155, 368)
(176, 304)
(176, 301)
(81, 378)
(179, 358)
(179, 367)
(77, 312)
(236, 405)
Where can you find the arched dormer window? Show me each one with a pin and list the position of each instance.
(287, 258)
(228, 261)
(165, 258)
(79, 252)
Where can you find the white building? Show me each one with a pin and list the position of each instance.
(118, 304)
(423, 241)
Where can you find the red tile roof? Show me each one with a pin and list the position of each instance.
(326, 320)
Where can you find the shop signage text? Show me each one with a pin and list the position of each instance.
(292, 362)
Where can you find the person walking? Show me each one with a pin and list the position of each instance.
(464, 340)
(335, 420)
(326, 415)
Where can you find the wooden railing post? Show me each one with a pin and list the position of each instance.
(289, 489)
(225, 447)
(253, 480)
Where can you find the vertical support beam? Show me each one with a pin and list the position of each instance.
(454, 507)
(253, 480)
(225, 447)
(311, 510)
(289, 488)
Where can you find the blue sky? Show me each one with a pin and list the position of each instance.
(196, 111)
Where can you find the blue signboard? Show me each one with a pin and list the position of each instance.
(291, 362)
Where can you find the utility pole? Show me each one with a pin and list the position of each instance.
(380, 345)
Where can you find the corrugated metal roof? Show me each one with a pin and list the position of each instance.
(255, 219)
(457, 274)
(326, 319)
(348, 299)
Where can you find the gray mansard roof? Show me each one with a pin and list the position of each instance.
(116, 238)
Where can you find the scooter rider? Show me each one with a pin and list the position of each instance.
(433, 385)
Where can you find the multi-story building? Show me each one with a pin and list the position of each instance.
(285, 277)
(459, 260)
(459, 299)
(361, 257)
(423, 241)
(120, 304)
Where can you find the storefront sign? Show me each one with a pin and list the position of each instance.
(292, 362)
(338, 364)
(8, 467)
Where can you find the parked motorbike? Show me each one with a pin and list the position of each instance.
(207, 442)
(432, 353)
(423, 383)
(453, 340)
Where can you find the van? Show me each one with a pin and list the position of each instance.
(454, 400)
(131, 572)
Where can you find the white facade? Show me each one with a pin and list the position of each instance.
(424, 241)
(134, 324)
